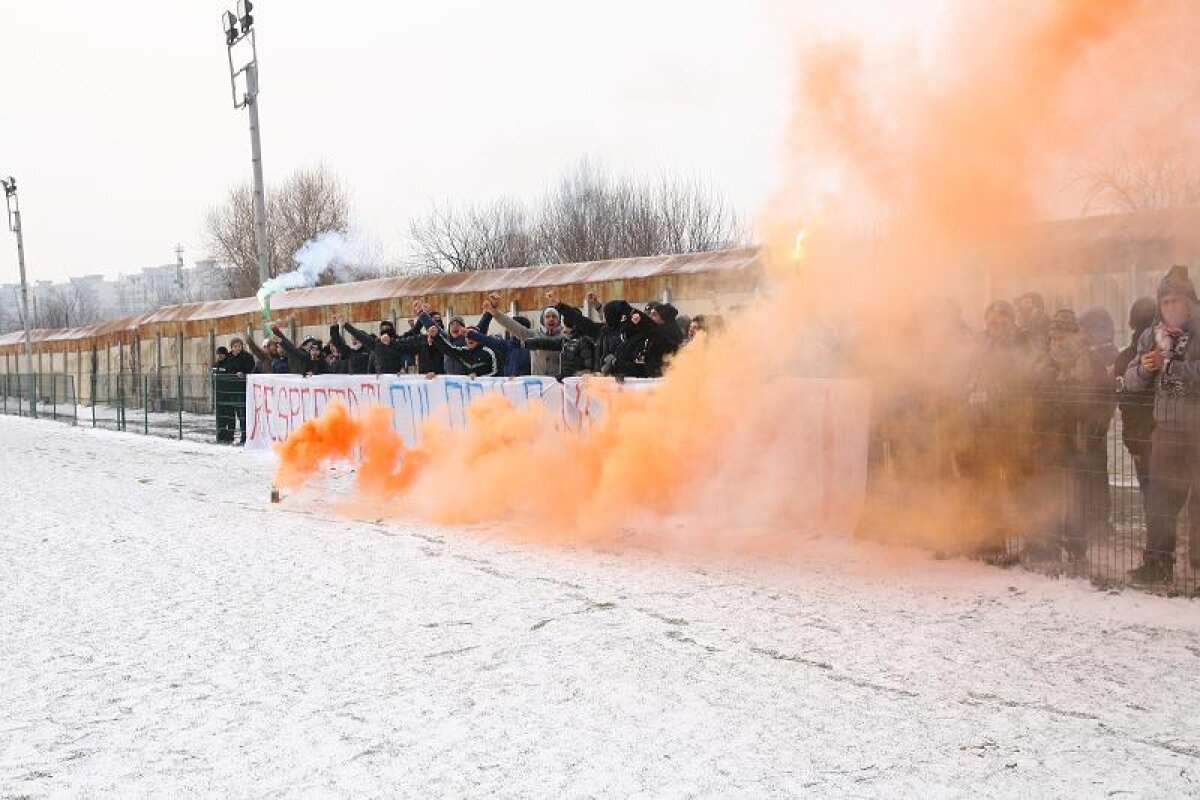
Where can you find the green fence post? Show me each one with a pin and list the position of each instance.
(179, 401)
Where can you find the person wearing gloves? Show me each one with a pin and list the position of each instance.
(541, 362)
(607, 337)
(354, 358)
(1168, 360)
(473, 357)
(389, 354)
(307, 359)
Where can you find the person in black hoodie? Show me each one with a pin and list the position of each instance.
(651, 337)
(389, 354)
(607, 337)
(476, 358)
(305, 360)
(353, 357)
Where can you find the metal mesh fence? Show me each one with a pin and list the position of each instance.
(1080, 482)
(46, 396)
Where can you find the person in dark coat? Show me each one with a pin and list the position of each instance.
(1168, 361)
(224, 411)
(1136, 408)
(650, 337)
(388, 355)
(240, 364)
(474, 357)
(576, 350)
(307, 359)
(429, 360)
(607, 336)
(353, 357)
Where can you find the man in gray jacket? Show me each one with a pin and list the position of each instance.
(541, 362)
(1168, 360)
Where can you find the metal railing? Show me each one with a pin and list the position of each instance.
(1081, 482)
(45, 396)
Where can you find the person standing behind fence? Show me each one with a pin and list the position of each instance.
(1169, 362)
(1137, 407)
(240, 364)
(224, 414)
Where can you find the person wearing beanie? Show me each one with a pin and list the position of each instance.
(541, 362)
(474, 357)
(305, 360)
(1168, 361)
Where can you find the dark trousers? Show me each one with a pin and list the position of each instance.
(225, 422)
(1174, 476)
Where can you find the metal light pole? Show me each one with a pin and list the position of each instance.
(240, 26)
(14, 224)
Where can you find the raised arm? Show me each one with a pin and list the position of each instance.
(286, 343)
(366, 339)
(576, 320)
(544, 343)
(512, 326)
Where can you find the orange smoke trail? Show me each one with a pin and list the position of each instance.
(901, 173)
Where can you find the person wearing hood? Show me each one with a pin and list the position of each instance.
(354, 356)
(428, 359)
(651, 336)
(1168, 361)
(388, 355)
(307, 359)
(541, 362)
(607, 336)
(473, 357)
(1136, 407)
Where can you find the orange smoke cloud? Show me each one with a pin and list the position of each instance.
(904, 166)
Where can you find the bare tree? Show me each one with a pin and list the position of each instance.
(587, 216)
(308, 203)
(64, 306)
(452, 239)
(1154, 179)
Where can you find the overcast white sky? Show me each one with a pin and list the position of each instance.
(117, 121)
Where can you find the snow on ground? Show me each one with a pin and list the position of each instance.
(168, 632)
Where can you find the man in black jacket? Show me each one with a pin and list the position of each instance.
(390, 355)
(607, 337)
(239, 364)
(353, 357)
(578, 351)
(220, 372)
(473, 356)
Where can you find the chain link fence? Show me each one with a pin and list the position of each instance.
(1078, 482)
(178, 405)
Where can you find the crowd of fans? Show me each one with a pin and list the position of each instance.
(1038, 398)
(1021, 415)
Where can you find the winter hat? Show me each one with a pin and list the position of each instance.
(523, 321)
(668, 312)
(387, 324)
(1176, 281)
(310, 340)
(615, 311)
(221, 351)
(549, 309)
(1064, 321)
(1142, 313)
(1098, 325)
(475, 336)
(459, 320)
(1002, 307)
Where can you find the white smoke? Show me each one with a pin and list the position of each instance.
(327, 251)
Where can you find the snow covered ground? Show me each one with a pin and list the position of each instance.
(165, 631)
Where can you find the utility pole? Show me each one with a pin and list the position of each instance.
(240, 26)
(179, 270)
(14, 224)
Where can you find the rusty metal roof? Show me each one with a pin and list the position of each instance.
(429, 284)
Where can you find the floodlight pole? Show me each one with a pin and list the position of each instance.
(14, 224)
(237, 27)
